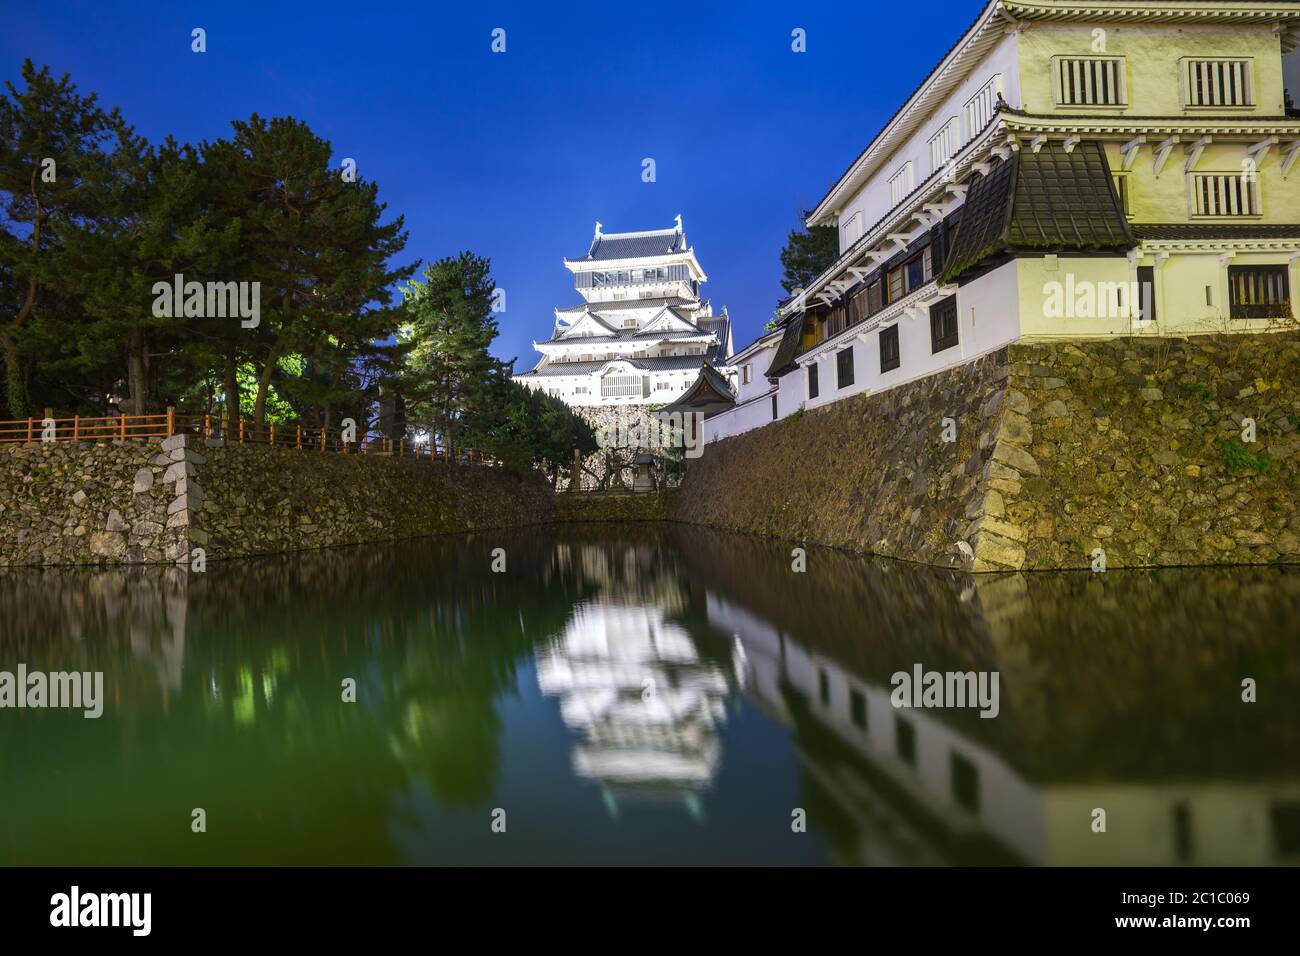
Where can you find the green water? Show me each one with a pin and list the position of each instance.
(648, 695)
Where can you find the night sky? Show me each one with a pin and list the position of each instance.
(515, 155)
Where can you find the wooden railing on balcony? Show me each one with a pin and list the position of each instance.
(243, 432)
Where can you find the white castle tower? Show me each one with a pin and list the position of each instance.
(642, 333)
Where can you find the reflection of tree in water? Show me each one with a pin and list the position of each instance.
(224, 692)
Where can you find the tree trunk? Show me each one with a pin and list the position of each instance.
(232, 399)
(137, 375)
(15, 380)
(264, 385)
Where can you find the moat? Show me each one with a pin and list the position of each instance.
(650, 694)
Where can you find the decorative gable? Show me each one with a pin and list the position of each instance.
(670, 320)
(587, 326)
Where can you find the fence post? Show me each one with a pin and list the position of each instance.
(30, 422)
(207, 426)
(401, 447)
(241, 429)
(76, 427)
(272, 433)
(122, 427)
(171, 421)
(299, 437)
(322, 439)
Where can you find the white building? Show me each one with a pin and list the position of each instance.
(1066, 171)
(642, 333)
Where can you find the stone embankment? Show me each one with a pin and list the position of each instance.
(1139, 448)
(151, 502)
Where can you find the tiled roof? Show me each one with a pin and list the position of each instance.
(1208, 230)
(630, 335)
(615, 246)
(621, 304)
(783, 360)
(709, 394)
(664, 363)
(1043, 201)
(719, 325)
(715, 325)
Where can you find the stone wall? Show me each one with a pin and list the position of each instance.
(616, 507)
(89, 503)
(1135, 447)
(260, 500)
(152, 502)
(1132, 446)
(869, 473)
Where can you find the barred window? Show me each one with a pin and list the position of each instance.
(979, 108)
(901, 184)
(1090, 81)
(1225, 194)
(621, 386)
(812, 381)
(1217, 83)
(1259, 292)
(943, 145)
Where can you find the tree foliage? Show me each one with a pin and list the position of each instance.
(93, 218)
(807, 254)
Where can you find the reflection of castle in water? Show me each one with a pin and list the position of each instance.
(908, 788)
(647, 704)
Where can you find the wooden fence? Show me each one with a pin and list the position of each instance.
(243, 432)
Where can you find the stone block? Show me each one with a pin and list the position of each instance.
(145, 529)
(115, 521)
(143, 481)
(179, 469)
(174, 442)
(1015, 457)
(1003, 529)
(992, 553)
(108, 544)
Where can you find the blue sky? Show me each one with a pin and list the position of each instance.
(515, 155)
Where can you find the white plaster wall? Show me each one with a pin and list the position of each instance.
(986, 320)
(753, 414)
(872, 200)
(759, 363)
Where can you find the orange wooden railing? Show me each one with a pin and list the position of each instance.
(243, 432)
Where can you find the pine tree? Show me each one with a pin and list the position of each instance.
(449, 327)
(52, 141)
(807, 254)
